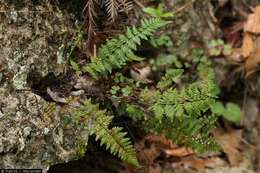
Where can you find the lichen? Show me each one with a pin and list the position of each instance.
(33, 38)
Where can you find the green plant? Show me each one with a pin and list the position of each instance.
(172, 75)
(184, 110)
(75, 67)
(134, 112)
(157, 12)
(113, 138)
(166, 60)
(182, 114)
(117, 52)
(218, 46)
(162, 40)
(230, 112)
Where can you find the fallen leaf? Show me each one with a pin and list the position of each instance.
(248, 45)
(141, 73)
(179, 152)
(160, 139)
(230, 142)
(253, 60)
(253, 22)
(147, 148)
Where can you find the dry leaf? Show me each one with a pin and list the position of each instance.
(253, 60)
(179, 152)
(141, 73)
(248, 45)
(230, 142)
(147, 149)
(160, 139)
(253, 22)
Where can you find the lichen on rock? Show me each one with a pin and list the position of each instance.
(33, 35)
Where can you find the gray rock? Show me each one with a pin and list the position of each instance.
(33, 132)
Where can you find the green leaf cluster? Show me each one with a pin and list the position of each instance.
(230, 112)
(162, 40)
(113, 138)
(158, 12)
(218, 46)
(118, 51)
(184, 115)
(172, 75)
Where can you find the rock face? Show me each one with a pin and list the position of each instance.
(33, 132)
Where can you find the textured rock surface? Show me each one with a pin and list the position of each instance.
(33, 133)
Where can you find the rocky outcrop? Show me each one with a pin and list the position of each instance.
(33, 132)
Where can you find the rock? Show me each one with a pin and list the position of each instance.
(33, 132)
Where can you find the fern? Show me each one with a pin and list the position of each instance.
(171, 76)
(91, 12)
(113, 138)
(112, 9)
(117, 52)
(184, 115)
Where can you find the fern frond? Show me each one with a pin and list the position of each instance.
(90, 9)
(112, 7)
(117, 52)
(193, 100)
(113, 138)
(126, 5)
(184, 112)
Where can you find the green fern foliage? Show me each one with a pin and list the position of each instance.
(118, 51)
(187, 113)
(171, 76)
(113, 138)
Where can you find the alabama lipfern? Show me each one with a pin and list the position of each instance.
(118, 51)
(184, 111)
(113, 138)
(184, 115)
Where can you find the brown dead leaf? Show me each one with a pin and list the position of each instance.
(253, 60)
(148, 149)
(148, 155)
(179, 152)
(248, 45)
(253, 22)
(240, 54)
(230, 142)
(141, 73)
(160, 140)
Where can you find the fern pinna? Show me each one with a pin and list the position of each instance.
(117, 52)
(113, 138)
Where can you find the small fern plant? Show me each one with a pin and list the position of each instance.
(113, 138)
(182, 115)
(118, 51)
